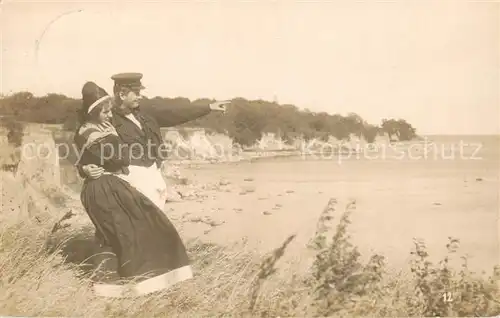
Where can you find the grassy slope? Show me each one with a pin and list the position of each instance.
(229, 280)
(41, 273)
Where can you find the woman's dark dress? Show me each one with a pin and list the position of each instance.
(145, 242)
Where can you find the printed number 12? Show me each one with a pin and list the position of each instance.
(447, 297)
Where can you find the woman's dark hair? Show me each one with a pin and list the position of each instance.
(91, 93)
(83, 116)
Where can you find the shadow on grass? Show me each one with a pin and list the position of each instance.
(99, 263)
(83, 250)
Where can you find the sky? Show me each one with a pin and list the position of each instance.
(435, 63)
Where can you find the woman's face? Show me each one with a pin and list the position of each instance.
(105, 114)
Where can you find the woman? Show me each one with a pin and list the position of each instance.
(147, 246)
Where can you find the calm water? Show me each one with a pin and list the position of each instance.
(452, 191)
(398, 199)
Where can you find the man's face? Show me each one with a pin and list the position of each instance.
(131, 98)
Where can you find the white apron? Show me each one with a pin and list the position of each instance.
(148, 181)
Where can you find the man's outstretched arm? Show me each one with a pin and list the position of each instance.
(174, 115)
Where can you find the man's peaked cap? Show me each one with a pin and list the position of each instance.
(130, 80)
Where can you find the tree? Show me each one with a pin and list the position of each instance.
(370, 132)
(400, 128)
(406, 131)
(245, 120)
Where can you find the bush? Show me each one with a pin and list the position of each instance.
(233, 282)
(10, 154)
(15, 130)
(245, 120)
(370, 133)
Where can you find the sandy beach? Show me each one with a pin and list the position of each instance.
(397, 199)
(248, 209)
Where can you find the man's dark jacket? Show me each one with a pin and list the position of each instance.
(142, 152)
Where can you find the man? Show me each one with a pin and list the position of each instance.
(142, 134)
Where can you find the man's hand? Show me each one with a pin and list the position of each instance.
(219, 106)
(93, 171)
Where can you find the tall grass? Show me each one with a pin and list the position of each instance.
(37, 279)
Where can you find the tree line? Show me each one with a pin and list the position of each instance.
(244, 121)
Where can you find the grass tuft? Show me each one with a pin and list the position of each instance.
(42, 275)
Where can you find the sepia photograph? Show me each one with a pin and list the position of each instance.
(265, 158)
